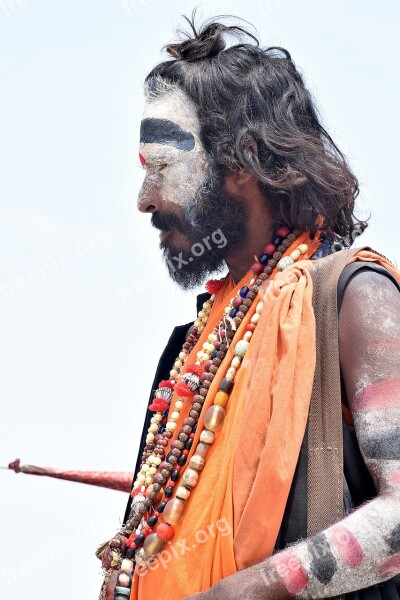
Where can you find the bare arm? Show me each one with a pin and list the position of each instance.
(362, 549)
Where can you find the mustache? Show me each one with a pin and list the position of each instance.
(167, 221)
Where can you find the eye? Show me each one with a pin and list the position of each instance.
(151, 164)
(155, 166)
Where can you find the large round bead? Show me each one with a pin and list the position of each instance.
(127, 566)
(202, 449)
(190, 478)
(124, 580)
(153, 544)
(214, 418)
(240, 348)
(283, 231)
(165, 532)
(207, 436)
(221, 398)
(286, 261)
(174, 511)
(226, 385)
(141, 557)
(256, 268)
(182, 493)
(196, 462)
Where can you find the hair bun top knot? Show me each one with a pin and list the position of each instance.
(205, 42)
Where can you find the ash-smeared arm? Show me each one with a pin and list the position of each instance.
(362, 549)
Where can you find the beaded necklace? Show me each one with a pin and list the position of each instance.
(157, 434)
(160, 474)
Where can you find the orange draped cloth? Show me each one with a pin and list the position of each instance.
(235, 511)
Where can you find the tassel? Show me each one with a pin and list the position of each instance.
(165, 383)
(196, 369)
(159, 405)
(182, 389)
(214, 285)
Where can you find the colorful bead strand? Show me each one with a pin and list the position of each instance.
(155, 441)
(150, 524)
(173, 510)
(230, 311)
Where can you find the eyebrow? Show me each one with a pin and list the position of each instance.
(166, 132)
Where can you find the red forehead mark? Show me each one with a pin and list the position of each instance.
(382, 394)
(142, 159)
(347, 546)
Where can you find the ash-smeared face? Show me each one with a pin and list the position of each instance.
(171, 152)
(183, 189)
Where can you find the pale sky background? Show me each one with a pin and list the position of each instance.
(85, 302)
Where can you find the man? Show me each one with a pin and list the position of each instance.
(246, 482)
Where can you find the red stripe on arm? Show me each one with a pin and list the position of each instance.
(290, 571)
(382, 394)
(395, 477)
(391, 566)
(347, 546)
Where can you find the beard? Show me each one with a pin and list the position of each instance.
(213, 223)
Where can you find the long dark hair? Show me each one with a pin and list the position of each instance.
(256, 115)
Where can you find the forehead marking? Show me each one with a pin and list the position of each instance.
(166, 132)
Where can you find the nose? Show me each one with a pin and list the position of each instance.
(148, 200)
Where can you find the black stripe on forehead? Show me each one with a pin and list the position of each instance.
(163, 131)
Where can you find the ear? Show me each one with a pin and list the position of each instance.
(235, 181)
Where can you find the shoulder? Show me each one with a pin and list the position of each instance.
(369, 312)
(369, 331)
(368, 287)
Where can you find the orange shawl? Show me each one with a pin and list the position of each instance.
(235, 511)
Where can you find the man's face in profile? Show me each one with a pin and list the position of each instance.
(184, 190)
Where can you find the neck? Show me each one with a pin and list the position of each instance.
(239, 261)
(259, 223)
